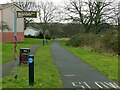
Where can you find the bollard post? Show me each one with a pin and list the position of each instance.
(43, 42)
(31, 69)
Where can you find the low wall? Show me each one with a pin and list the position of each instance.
(9, 36)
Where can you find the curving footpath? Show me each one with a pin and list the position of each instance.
(77, 74)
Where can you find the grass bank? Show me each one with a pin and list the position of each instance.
(105, 63)
(45, 76)
(7, 51)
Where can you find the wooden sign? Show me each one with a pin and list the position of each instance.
(26, 14)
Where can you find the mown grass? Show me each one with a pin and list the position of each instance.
(48, 75)
(45, 72)
(105, 63)
(0, 66)
(0, 53)
(8, 48)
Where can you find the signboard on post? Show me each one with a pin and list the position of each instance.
(22, 14)
(26, 14)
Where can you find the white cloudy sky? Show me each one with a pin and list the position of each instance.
(57, 2)
(54, 1)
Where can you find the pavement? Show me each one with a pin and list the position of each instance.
(6, 68)
(33, 49)
(77, 74)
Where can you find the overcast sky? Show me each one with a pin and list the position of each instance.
(4, 1)
(54, 1)
(57, 2)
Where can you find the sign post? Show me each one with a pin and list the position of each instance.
(20, 14)
(23, 14)
(15, 43)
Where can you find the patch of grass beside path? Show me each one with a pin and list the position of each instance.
(7, 51)
(0, 53)
(45, 72)
(107, 64)
(48, 76)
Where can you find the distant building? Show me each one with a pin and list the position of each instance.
(31, 31)
(7, 20)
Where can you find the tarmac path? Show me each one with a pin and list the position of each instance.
(77, 74)
(6, 68)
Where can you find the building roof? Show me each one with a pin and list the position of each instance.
(3, 6)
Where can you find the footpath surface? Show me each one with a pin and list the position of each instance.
(6, 68)
(77, 74)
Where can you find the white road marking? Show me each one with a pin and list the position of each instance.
(98, 85)
(73, 84)
(116, 85)
(78, 85)
(101, 85)
(104, 85)
(112, 85)
(81, 85)
(87, 85)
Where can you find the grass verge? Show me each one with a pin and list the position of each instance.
(7, 51)
(45, 76)
(107, 64)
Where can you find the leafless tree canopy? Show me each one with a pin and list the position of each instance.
(27, 5)
(46, 11)
(91, 12)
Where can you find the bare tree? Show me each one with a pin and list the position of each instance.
(119, 28)
(118, 14)
(90, 12)
(28, 5)
(103, 13)
(46, 11)
(77, 10)
(47, 14)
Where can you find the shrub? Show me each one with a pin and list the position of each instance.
(107, 42)
(110, 41)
